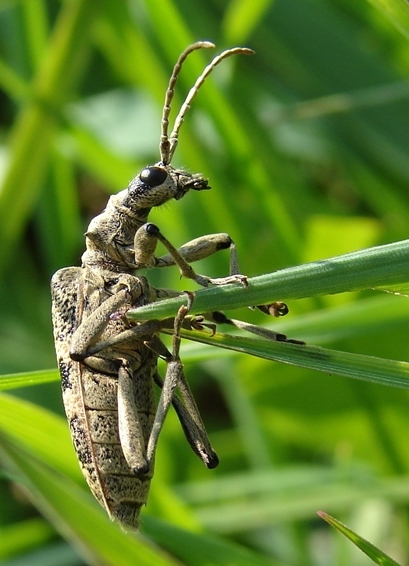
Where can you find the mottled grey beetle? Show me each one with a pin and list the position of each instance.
(108, 364)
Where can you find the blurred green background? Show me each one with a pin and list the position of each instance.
(306, 148)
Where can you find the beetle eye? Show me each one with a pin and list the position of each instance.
(153, 176)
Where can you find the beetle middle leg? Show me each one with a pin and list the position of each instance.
(185, 406)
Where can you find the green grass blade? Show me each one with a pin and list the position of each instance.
(397, 11)
(15, 538)
(367, 548)
(42, 460)
(26, 379)
(357, 366)
(73, 512)
(289, 494)
(59, 72)
(242, 17)
(49, 439)
(200, 549)
(381, 266)
(12, 83)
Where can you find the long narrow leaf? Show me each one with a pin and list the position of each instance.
(202, 549)
(367, 368)
(381, 266)
(26, 379)
(37, 121)
(75, 514)
(397, 11)
(369, 549)
(39, 464)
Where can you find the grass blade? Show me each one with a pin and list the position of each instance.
(367, 548)
(380, 266)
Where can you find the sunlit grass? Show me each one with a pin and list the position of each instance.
(305, 146)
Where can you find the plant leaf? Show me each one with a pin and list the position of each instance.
(367, 548)
(358, 366)
(73, 512)
(377, 267)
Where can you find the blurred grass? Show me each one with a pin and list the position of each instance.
(306, 148)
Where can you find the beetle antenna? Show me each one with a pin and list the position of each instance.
(165, 146)
(174, 136)
(168, 143)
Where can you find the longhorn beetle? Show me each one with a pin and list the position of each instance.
(108, 365)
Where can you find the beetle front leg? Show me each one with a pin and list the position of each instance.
(149, 234)
(201, 248)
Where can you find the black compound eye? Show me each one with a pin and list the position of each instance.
(153, 176)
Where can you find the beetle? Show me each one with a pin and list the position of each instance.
(108, 364)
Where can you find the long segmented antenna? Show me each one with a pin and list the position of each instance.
(164, 145)
(168, 143)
